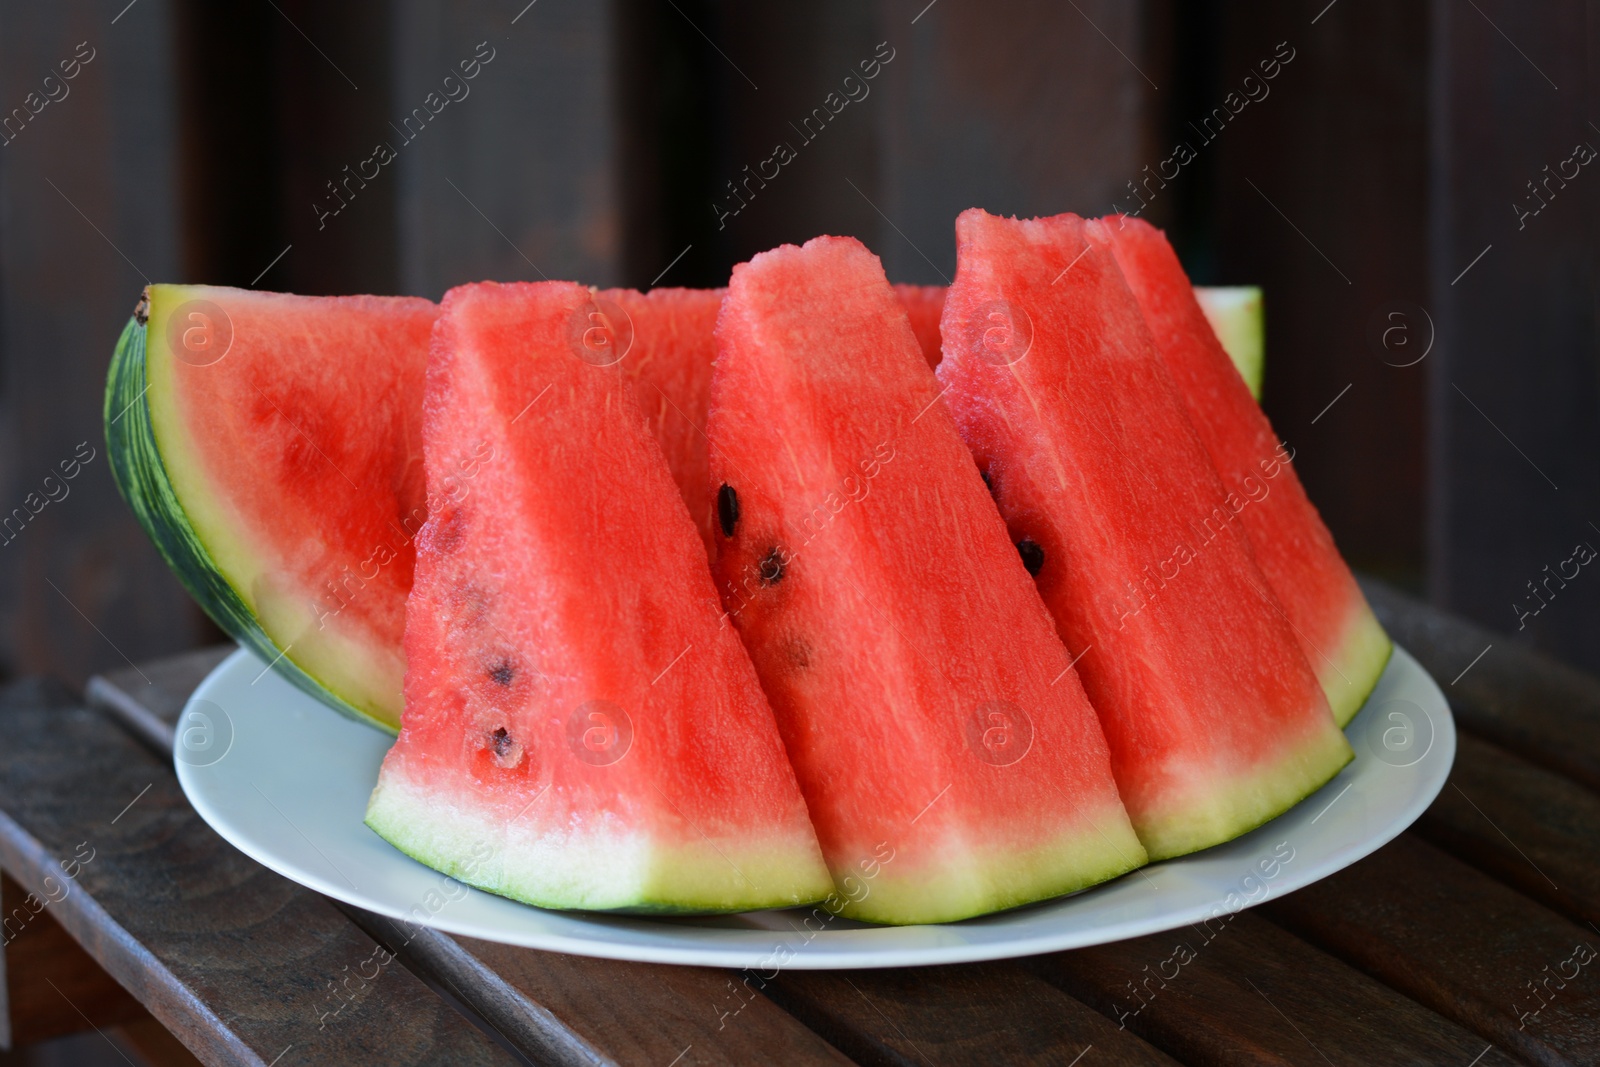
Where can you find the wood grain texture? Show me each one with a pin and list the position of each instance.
(1461, 943)
(161, 687)
(147, 702)
(1530, 828)
(444, 963)
(652, 1013)
(1519, 698)
(51, 986)
(235, 960)
(555, 1007)
(977, 1014)
(1243, 991)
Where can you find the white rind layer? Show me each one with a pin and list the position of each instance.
(598, 866)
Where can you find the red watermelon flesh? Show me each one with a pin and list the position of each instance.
(1337, 630)
(581, 728)
(924, 304)
(950, 759)
(295, 452)
(1214, 717)
(669, 363)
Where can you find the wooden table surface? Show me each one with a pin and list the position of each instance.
(1471, 940)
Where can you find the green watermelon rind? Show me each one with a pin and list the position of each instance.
(1329, 753)
(1235, 313)
(1033, 877)
(435, 832)
(141, 477)
(1361, 660)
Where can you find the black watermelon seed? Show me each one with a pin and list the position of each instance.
(500, 741)
(502, 673)
(1032, 555)
(727, 509)
(771, 567)
(988, 481)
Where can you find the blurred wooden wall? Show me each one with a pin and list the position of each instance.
(1514, 401)
(89, 212)
(599, 141)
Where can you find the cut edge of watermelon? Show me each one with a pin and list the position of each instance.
(699, 877)
(995, 878)
(1223, 808)
(1352, 670)
(143, 480)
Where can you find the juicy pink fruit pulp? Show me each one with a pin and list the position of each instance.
(669, 363)
(306, 439)
(578, 717)
(1214, 718)
(1324, 606)
(931, 713)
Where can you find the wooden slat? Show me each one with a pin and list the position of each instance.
(650, 1013)
(235, 960)
(48, 979)
(1520, 699)
(1530, 828)
(545, 1003)
(980, 1014)
(148, 700)
(1465, 945)
(1243, 991)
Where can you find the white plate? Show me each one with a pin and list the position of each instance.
(285, 780)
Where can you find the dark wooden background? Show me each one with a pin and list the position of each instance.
(1388, 153)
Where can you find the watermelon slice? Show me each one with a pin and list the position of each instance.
(581, 729)
(271, 446)
(923, 305)
(1234, 312)
(1215, 719)
(669, 363)
(1321, 601)
(950, 759)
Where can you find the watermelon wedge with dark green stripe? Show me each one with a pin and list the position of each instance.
(1321, 601)
(271, 447)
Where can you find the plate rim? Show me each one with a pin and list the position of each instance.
(810, 955)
